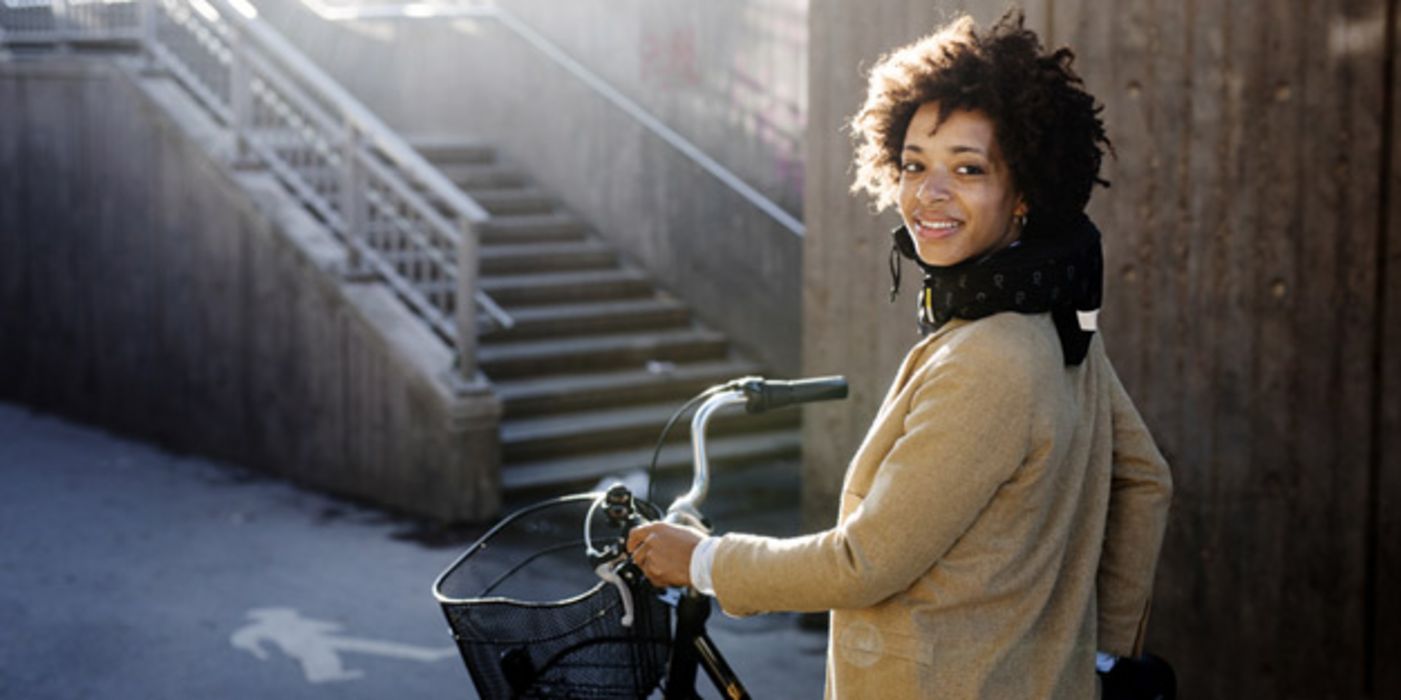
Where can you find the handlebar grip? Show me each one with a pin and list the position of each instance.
(765, 394)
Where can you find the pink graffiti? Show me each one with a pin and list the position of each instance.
(669, 58)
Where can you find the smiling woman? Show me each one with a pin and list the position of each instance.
(956, 193)
(1001, 521)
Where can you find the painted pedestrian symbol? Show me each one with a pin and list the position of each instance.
(317, 645)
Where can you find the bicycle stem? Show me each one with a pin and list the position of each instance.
(686, 508)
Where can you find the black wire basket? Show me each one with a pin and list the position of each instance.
(532, 620)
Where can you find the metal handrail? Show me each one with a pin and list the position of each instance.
(60, 21)
(364, 127)
(590, 80)
(649, 122)
(331, 152)
(361, 118)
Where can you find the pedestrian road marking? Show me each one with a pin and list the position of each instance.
(317, 645)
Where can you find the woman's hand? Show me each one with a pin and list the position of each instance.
(663, 552)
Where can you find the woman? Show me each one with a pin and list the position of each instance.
(1002, 519)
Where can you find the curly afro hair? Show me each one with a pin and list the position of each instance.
(1047, 127)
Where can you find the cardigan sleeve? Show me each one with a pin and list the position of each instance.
(1140, 491)
(965, 432)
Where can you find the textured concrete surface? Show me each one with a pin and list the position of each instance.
(131, 572)
(148, 286)
(737, 93)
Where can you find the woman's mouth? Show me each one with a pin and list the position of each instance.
(936, 229)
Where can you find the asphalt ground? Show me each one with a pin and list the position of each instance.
(130, 572)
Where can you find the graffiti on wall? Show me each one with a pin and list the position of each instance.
(668, 58)
(736, 73)
(773, 121)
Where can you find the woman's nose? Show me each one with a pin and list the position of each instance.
(933, 188)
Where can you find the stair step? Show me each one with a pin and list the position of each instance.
(514, 200)
(589, 468)
(570, 355)
(590, 318)
(573, 392)
(581, 285)
(594, 401)
(531, 228)
(443, 150)
(553, 255)
(471, 176)
(527, 439)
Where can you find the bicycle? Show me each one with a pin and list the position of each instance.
(615, 639)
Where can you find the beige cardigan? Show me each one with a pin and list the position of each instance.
(1000, 522)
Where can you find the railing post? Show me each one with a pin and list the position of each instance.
(354, 207)
(150, 62)
(467, 300)
(240, 97)
(59, 8)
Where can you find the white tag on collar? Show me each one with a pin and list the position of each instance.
(1089, 320)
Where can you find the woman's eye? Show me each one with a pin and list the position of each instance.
(970, 170)
(911, 167)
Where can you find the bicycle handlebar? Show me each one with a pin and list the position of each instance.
(764, 394)
(758, 395)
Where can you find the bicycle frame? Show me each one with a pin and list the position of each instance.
(691, 647)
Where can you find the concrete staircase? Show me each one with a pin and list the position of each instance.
(599, 357)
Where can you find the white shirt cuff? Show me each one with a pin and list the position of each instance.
(1105, 662)
(702, 558)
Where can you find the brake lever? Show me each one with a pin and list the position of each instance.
(611, 571)
(612, 563)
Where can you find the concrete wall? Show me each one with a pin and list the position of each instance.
(1251, 310)
(147, 287)
(728, 76)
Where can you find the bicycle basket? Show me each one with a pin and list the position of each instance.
(532, 620)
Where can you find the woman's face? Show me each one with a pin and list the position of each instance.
(956, 193)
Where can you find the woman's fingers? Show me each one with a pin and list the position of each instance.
(663, 552)
(639, 551)
(639, 534)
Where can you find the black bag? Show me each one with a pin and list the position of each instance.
(1146, 677)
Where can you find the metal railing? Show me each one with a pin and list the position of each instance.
(399, 217)
(62, 21)
(488, 10)
(649, 122)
